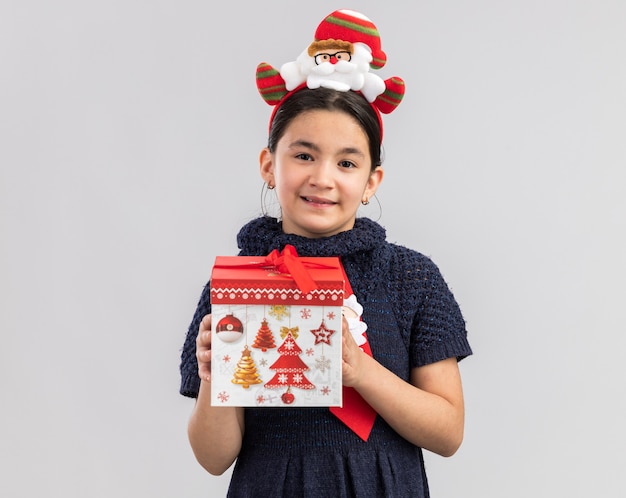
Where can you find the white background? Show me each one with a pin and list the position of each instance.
(129, 139)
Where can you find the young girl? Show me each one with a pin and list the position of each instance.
(323, 160)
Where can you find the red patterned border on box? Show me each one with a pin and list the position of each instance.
(235, 280)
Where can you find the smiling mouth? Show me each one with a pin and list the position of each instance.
(317, 200)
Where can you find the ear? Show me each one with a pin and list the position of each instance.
(266, 165)
(373, 182)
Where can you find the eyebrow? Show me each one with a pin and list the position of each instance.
(310, 145)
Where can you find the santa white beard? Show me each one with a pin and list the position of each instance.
(342, 76)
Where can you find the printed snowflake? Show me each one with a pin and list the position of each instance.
(270, 398)
(263, 362)
(310, 352)
(297, 378)
(331, 315)
(322, 363)
(283, 378)
(325, 390)
(226, 358)
(260, 399)
(279, 311)
(223, 396)
(305, 313)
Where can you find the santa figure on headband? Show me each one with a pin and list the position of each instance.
(346, 46)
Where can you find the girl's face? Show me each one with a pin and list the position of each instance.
(321, 169)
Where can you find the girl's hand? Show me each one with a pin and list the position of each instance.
(203, 348)
(352, 358)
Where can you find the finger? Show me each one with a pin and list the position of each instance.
(348, 339)
(203, 355)
(205, 323)
(345, 327)
(345, 348)
(203, 340)
(204, 373)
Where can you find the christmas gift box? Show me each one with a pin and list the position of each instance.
(276, 330)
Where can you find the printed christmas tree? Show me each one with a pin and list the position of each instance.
(289, 369)
(245, 373)
(264, 338)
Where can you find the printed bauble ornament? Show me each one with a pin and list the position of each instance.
(229, 328)
(288, 397)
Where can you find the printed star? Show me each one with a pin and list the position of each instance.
(322, 334)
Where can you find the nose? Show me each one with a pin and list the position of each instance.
(333, 59)
(321, 175)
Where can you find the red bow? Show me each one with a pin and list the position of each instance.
(288, 262)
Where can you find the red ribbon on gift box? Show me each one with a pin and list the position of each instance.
(288, 262)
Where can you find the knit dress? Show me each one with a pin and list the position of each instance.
(412, 320)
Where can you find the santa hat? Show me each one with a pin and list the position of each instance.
(353, 27)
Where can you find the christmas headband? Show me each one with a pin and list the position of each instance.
(346, 46)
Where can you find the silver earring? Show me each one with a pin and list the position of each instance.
(269, 201)
(366, 210)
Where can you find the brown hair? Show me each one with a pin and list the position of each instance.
(351, 103)
(316, 46)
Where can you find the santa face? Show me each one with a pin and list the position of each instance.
(336, 67)
(321, 169)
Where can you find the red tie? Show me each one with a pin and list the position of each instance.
(356, 413)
